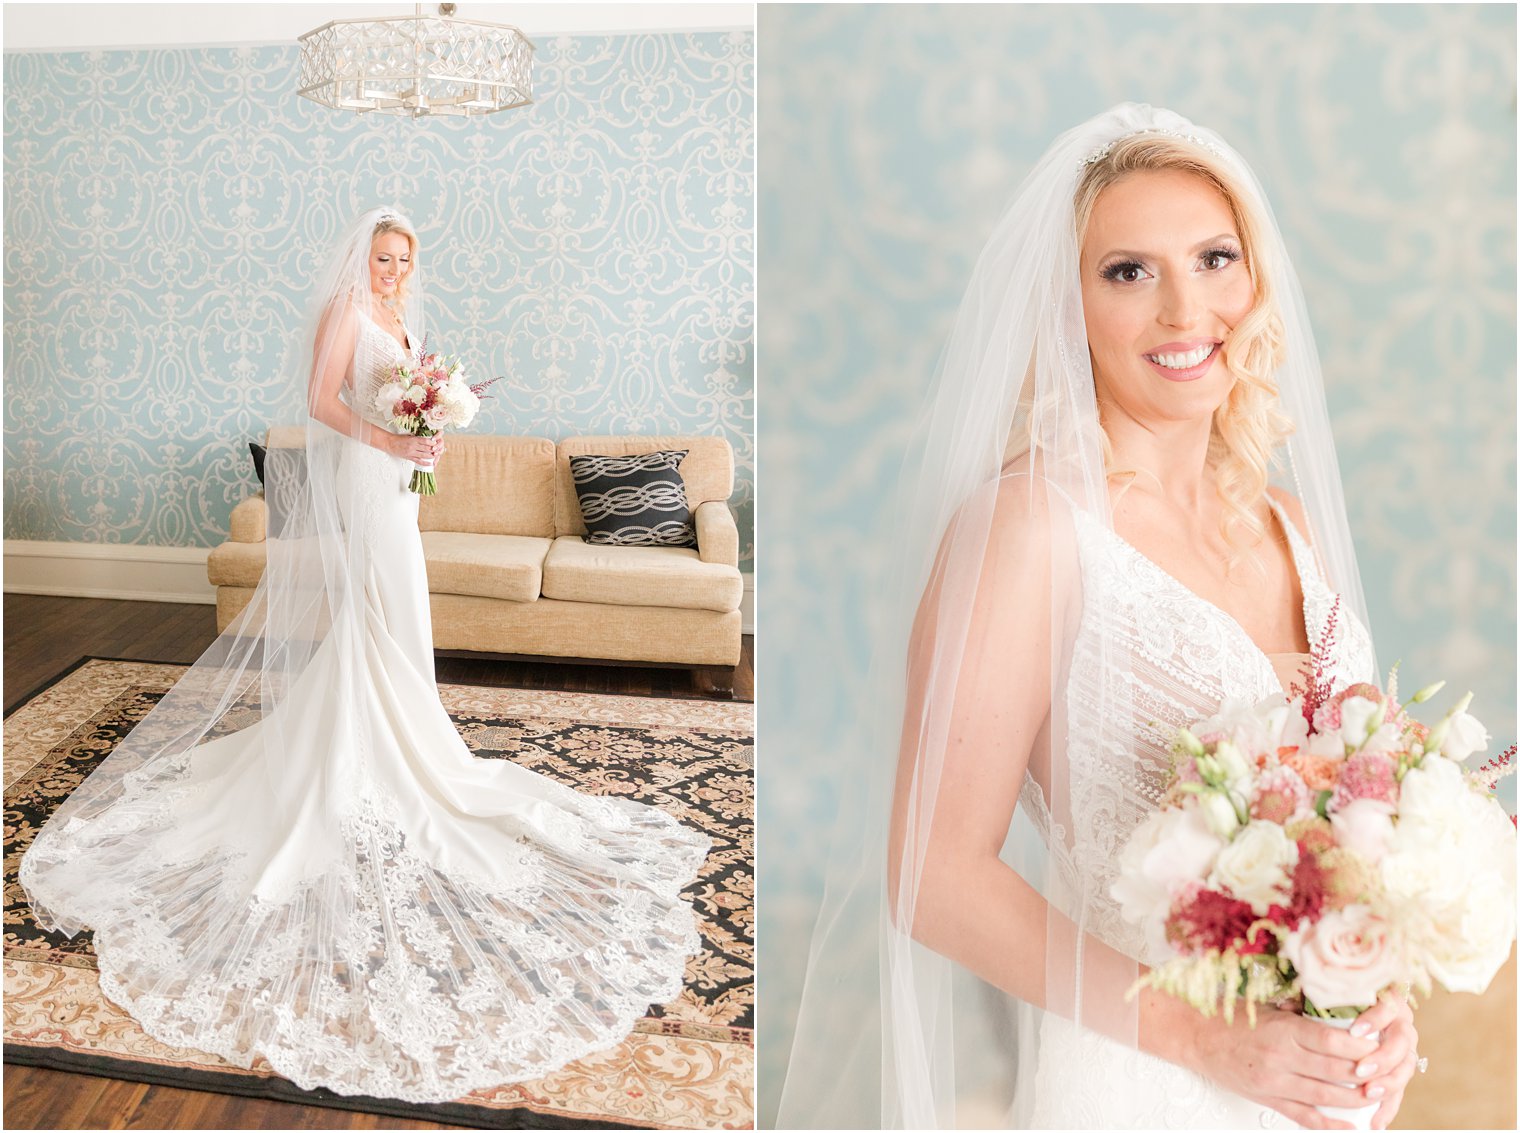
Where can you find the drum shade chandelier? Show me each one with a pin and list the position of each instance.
(417, 65)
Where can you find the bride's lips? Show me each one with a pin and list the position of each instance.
(1193, 373)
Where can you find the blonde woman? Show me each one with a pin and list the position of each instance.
(1126, 508)
(295, 856)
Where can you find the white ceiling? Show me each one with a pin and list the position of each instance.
(73, 27)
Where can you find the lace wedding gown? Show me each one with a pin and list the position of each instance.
(1188, 656)
(472, 923)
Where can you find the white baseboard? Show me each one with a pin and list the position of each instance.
(149, 574)
(108, 570)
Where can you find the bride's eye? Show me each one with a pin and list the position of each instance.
(1125, 271)
(1216, 258)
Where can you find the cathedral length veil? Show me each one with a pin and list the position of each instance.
(292, 854)
(891, 1033)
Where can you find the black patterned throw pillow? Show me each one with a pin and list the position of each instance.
(634, 501)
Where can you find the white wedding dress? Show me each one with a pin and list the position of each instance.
(428, 922)
(1188, 656)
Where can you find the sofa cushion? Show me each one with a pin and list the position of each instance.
(577, 571)
(633, 501)
(493, 485)
(707, 471)
(487, 566)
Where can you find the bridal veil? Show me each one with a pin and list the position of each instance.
(979, 624)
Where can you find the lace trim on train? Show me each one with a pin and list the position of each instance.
(384, 976)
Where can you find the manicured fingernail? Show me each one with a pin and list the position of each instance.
(1366, 1070)
(1359, 1029)
(1375, 1091)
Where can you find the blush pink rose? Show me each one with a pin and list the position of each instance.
(1345, 959)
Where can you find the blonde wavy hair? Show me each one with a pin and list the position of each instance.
(1250, 425)
(396, 224)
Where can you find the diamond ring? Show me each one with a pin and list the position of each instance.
(1423, 1065)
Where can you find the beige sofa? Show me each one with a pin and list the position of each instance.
(509, 571)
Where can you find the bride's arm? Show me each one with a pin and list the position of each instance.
(964, 902)
(339, 331)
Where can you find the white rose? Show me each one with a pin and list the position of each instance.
(1357, 714)
(1365, 827)
(1218, 814)
(1345, 959)
(437, 417)
(1254, 867)
(1464, 736)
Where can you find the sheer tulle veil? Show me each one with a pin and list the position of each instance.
(308, 599)
(892, 1032)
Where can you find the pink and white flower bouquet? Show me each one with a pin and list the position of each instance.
(426, 398)
(1328, 847)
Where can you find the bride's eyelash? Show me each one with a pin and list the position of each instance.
(1112, 271)
(1223, 250)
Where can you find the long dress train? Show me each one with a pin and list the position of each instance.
(473, 923)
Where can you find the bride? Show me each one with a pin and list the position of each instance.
(295, 855)
(1126, 509)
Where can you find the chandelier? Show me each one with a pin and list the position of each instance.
(417, 65)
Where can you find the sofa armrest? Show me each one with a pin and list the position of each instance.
(717, 533)
(250, 521)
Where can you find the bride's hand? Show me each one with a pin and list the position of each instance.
(1393, 1063)
(1287, 1063)
(419, 450)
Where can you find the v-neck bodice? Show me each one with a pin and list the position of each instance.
(376, 355)
(1302, 558)
(1150, 656)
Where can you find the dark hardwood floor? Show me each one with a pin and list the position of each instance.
(43, 636)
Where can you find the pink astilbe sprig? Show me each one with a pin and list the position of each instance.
(1320, 685)
(1497, 768)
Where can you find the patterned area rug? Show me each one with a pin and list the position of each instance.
(689, 1064)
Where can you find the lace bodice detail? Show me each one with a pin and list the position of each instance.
(375, 352)
(1186, 656)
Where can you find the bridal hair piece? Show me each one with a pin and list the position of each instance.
(991, 643)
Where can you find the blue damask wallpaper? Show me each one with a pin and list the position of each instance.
(892, 139)
(166, 212)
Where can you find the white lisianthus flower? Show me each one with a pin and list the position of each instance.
(1385, 740)
(1464, 735)
(1167, 852)
(1218, 814)
(1365, 827)
(1255, 866)
(1345, 959)
(1357, 715)
(1237, 772)
(1328, 745)
(388, 397)
(1284, 723)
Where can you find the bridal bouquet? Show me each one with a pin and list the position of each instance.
(1327, 847)
(426, 398)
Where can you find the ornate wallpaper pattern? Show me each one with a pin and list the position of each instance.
(893, 137)
(166, 212)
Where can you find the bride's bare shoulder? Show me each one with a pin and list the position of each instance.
(1293, 506)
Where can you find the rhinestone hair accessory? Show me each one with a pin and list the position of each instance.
(1102, 151)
